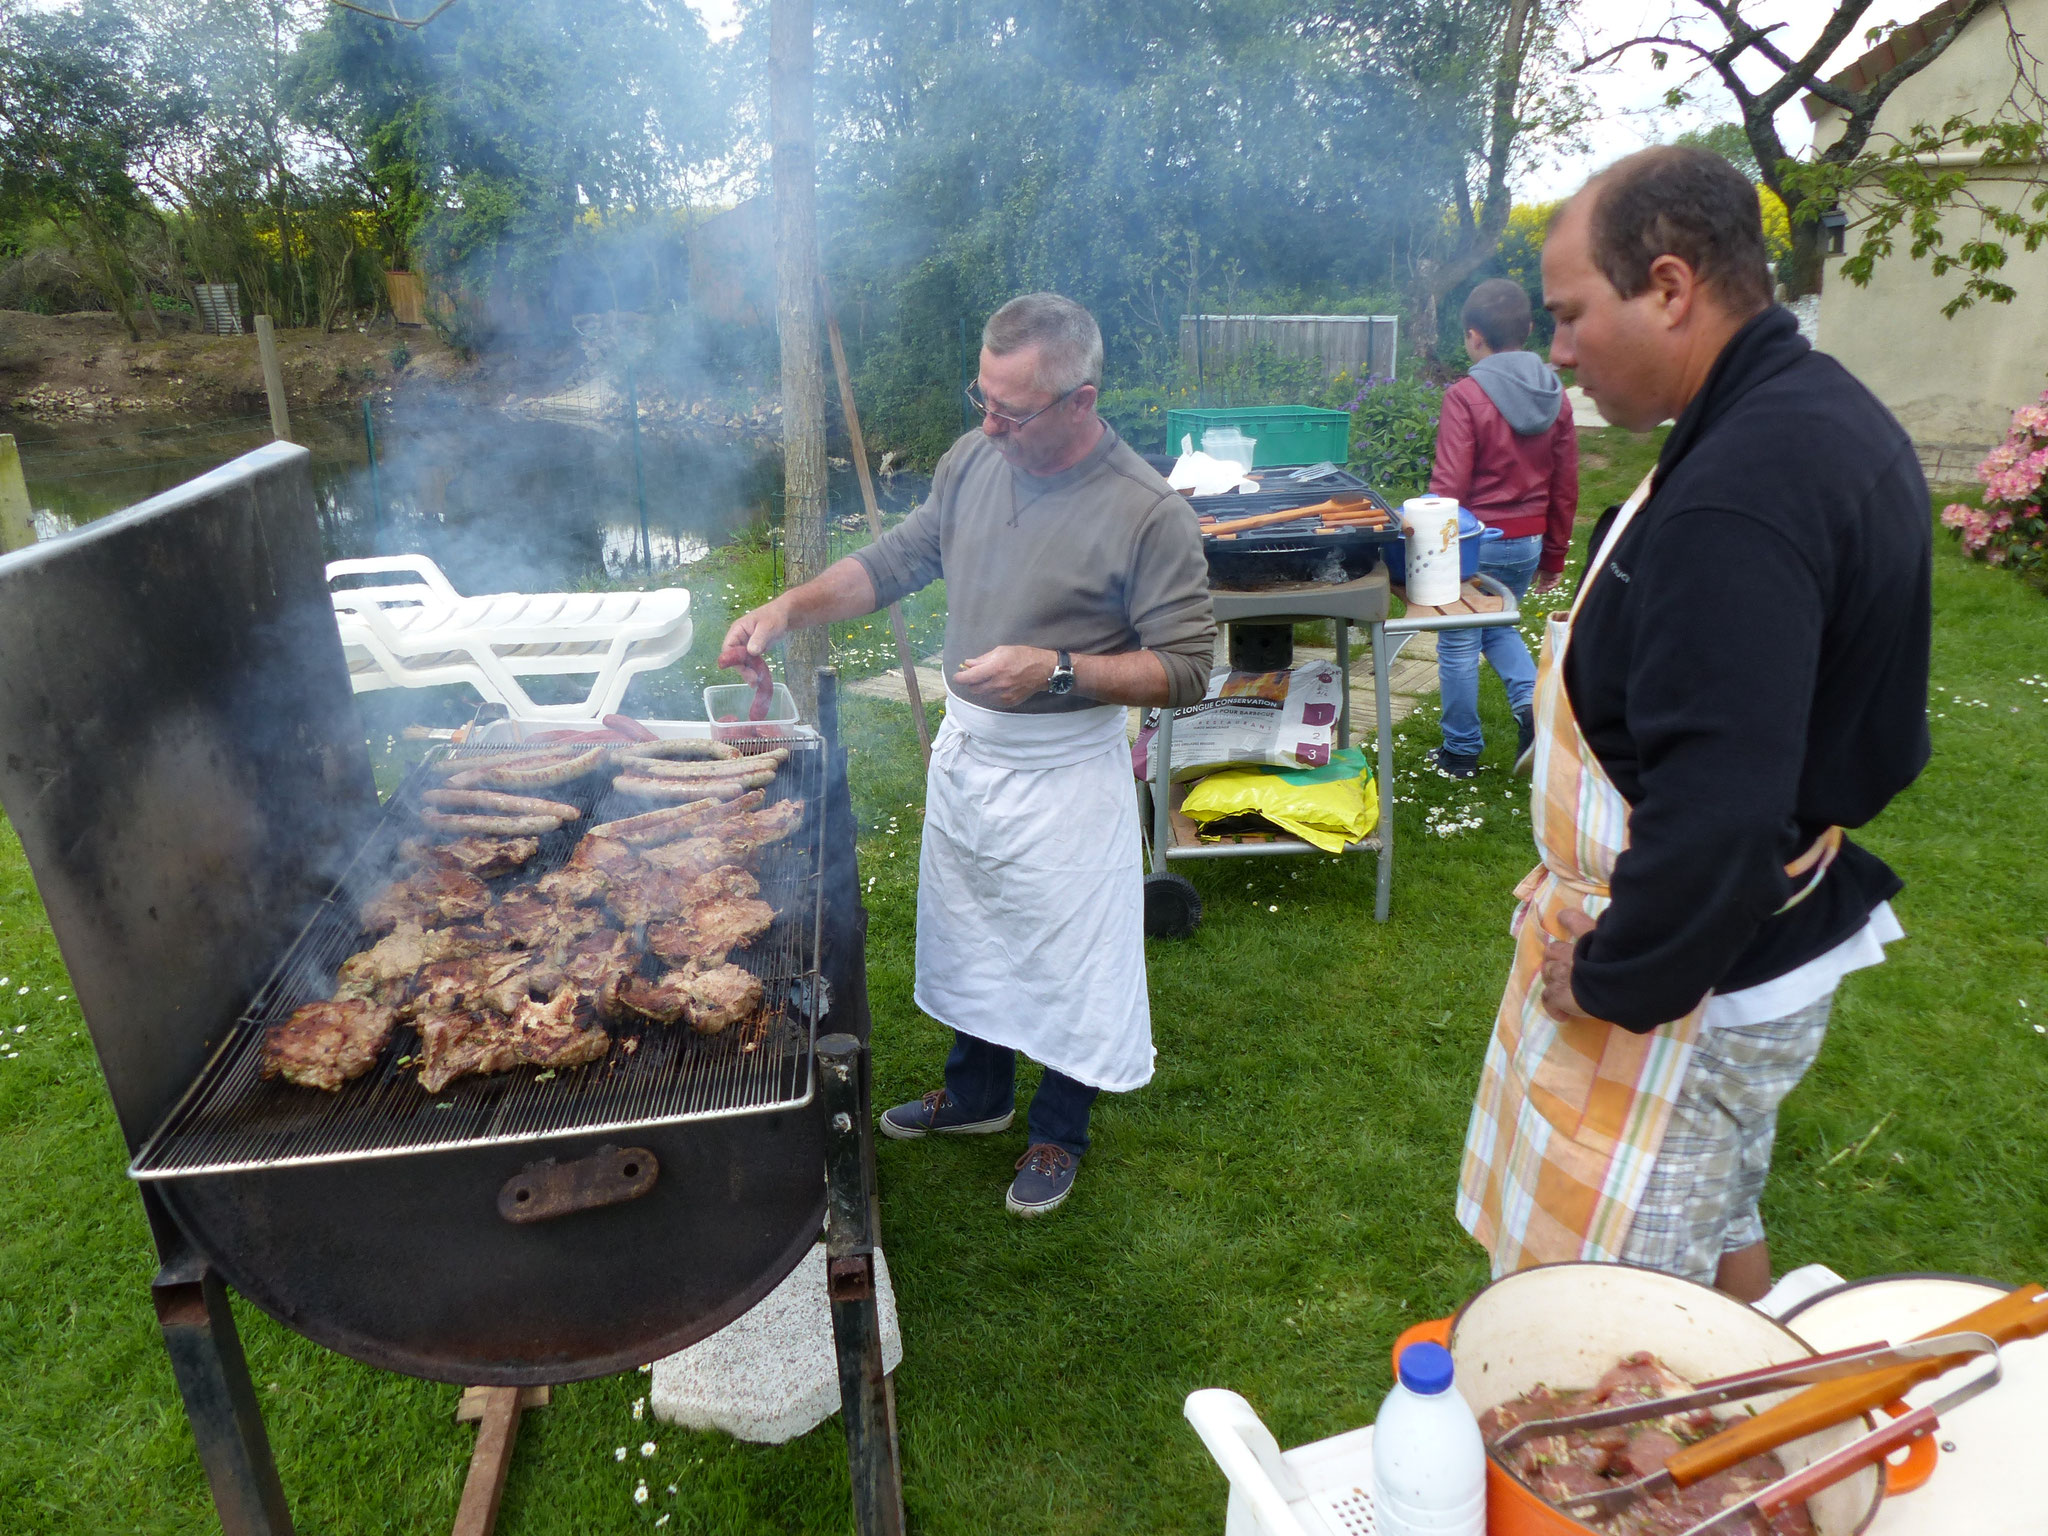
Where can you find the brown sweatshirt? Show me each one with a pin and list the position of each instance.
(1096, 560)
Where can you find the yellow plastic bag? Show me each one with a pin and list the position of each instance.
(1329, 806)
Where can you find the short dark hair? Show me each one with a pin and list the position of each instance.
(1675, 200)
(1499, 311)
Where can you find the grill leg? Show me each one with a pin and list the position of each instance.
(220, 1400)
(867, 1397)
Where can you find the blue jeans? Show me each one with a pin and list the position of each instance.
(982, 1079)
(1512, 562)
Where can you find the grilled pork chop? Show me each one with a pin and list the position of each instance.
(607, 855)
(323, 1045)
(484, 857)
(652, 896)
(661, 1001)
(571, 886)
(721, 997)
(711, 931)
(724, 880)
(471, 1042)
(432, 898)
(529, 920)
(496, 981)
(734, 840)
(395, 957)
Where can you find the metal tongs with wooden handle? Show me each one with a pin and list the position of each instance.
(1839, 1387)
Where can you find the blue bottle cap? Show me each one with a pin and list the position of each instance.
(1426, 1368)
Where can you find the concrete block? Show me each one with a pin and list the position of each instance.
(770, 1375)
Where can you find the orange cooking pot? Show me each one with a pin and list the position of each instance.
(1565, 1325)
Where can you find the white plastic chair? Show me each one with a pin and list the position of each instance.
(423, 633)
(1319, 1489)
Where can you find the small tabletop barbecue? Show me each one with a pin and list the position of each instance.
(181, 757)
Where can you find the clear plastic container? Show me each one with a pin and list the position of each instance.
(1428, 1462)
(1230, 445)
(726, 706)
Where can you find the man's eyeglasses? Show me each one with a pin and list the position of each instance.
(1012, 423)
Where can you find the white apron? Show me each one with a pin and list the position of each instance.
(1030, 894)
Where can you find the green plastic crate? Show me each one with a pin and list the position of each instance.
(1286, 434)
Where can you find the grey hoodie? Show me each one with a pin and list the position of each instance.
(1522, 388)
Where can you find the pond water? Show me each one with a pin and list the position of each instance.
(500, 503)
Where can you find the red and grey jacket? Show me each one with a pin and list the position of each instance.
(1520, 485)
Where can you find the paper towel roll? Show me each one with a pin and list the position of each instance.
(1429, 524)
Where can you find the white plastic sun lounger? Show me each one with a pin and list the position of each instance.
(422, 633)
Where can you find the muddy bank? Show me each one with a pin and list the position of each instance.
(56, 368)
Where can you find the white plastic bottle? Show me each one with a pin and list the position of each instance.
(1428, 1463)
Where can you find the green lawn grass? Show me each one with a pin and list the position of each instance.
(1265, 1216)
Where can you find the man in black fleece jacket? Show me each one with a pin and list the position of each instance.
(1751, 668)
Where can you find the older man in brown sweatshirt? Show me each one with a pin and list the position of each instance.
(1075, 587)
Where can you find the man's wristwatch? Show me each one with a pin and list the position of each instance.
(1062, 679)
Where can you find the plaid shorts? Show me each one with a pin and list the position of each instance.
(1701, 1199)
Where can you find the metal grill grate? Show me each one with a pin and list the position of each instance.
(232, 1120)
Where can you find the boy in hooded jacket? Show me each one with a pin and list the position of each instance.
(1507, 450)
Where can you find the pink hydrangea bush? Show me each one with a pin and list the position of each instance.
(2009, 529)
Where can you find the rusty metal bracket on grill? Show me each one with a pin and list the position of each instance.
(544, 1190)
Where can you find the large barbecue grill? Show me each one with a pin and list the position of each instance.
(181, 756)
(231, 1120)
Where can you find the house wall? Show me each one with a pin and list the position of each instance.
(1953, 384)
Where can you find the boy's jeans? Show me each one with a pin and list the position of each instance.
(1512, 562)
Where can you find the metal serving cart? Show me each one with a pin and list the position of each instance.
(1173, 908)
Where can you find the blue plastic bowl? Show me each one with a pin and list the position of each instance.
(1471, 534)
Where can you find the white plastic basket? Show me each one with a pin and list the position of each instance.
(1318, 1489)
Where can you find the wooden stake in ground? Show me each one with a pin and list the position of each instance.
(17, 518)
(273, 380)
(867, 496)
(495, 1411)
(792, 173)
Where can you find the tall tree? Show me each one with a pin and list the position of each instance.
(793, 175)
(509, 139)
(1482, 74)
(1734, 44)
(80, 105)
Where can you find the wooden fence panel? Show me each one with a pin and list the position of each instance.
(1353, 344)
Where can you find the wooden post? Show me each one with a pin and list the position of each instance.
(17, 518)
(495, 1411)
(867, 494)
(792, 172)
(273, 380)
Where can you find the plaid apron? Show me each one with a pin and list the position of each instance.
(1569, 1116)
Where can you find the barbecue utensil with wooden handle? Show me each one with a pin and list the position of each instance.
(1833, 1398)
(1352, 504)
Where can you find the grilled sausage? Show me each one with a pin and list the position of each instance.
(679, 746)
(629, 728)
(489, 826)
(726, 768)
(491, 804)
(544, 775)
(458, 763)
(671, 822)
(730, 787)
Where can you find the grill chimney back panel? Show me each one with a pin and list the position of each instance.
(181, 756)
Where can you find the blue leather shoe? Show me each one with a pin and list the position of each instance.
(937, 1114)
(1045, 1176)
